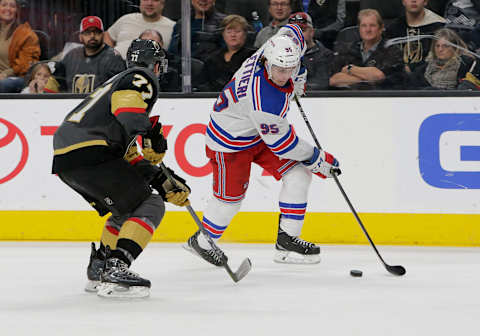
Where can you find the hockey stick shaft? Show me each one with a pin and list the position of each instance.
(246, 264)
(397, 270)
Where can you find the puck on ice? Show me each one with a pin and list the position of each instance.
(356, 273)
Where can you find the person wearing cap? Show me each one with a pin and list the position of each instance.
(368, 63)
(129, 26)
(317, 57)
(280, 11)
(85, 68)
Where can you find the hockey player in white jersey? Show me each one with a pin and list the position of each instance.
(248, 125)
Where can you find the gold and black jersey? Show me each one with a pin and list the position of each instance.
(102, 126)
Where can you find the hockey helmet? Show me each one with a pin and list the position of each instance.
(146, 53)
(281, 51)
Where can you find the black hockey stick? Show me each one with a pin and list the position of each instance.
(246, 264)
(396, 270)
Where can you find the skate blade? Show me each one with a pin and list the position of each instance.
(111, 290)
(288, 257)
(92, 286)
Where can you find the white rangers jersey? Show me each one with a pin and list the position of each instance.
(252, 109)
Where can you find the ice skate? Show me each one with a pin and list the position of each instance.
(94, 269)
(293, 250)
(212, 256)
(117, 281)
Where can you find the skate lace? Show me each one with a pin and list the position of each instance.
(216, 255)
(303, 242)
(124, 270)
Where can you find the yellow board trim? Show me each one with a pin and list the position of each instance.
(258, 227)
(80, 145)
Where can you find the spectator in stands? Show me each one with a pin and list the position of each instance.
(446, 64)
(129, 26)
(19, 47)
(169, 81)
(205, 23)
(85, 68)
(417, 21)
(328, 15)
(222, 64)
(367, 64)
(280, 11)
(39, 76)
(317, 58)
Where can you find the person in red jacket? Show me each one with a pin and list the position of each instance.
(19, 47)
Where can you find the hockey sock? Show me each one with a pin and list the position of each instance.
(110, 233)
(216, 218)
(293, 199)
(133, 237)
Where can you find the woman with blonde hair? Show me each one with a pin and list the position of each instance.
(19, 47)
(223, 63)
(446, 64)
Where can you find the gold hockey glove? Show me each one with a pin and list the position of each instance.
(177, 196)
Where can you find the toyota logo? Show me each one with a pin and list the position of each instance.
(12, 133)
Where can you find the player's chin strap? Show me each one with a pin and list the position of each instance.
(246, 264)
(396, 270)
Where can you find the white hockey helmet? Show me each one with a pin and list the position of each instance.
(281, 51)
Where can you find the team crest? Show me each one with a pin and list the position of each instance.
(83, 83)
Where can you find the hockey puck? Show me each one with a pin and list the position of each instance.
(356, 273)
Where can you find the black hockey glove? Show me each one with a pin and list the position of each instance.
(169, 193)
(153, 143)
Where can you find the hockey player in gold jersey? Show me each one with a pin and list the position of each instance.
(95, 154)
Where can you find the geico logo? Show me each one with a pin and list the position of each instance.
(14, 146)
(449, 151)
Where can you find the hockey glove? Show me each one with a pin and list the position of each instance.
(153, 143)
(323, 164)
(176, 195)
(300, 83)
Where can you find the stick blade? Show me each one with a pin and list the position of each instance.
(242, 271)
(396, 270)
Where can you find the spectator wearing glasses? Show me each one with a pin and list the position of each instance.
(280, 10)
(222, 64)
(317, 57)
(85, 68)
(367, 64)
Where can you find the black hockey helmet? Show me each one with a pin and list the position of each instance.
(146, 53)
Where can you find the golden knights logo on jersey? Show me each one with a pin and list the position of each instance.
(83, 83)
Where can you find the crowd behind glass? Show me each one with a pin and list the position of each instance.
(379, 45)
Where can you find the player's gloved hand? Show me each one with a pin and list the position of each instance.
(323, 164)
(153, 143)
(176, 195)
(300, 82)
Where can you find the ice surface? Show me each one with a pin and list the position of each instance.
(42, 293)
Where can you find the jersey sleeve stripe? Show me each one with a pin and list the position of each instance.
(80, 145)
(220, 136)
(286, 106)
(286, 143)
(128, 110)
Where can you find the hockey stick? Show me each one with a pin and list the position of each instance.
(396, 270)
(246, 264)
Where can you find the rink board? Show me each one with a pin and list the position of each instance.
(259, 227)
(411, 168)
